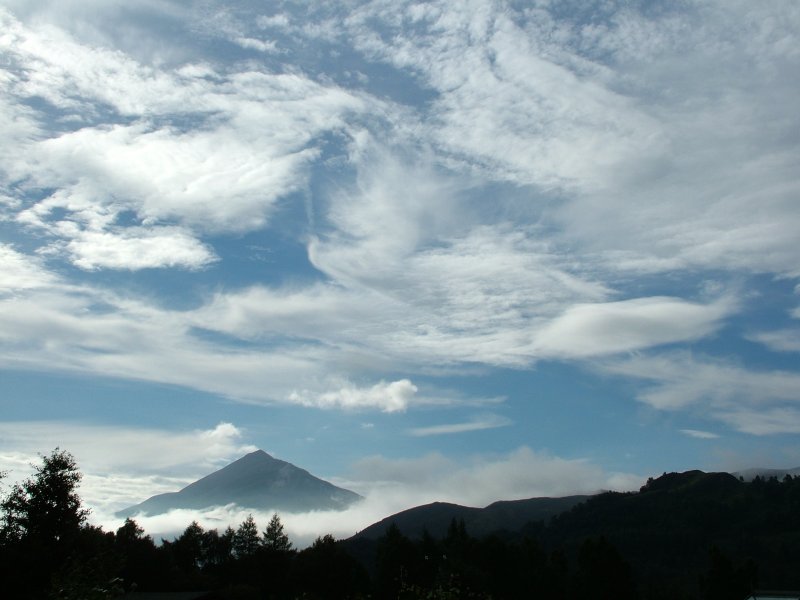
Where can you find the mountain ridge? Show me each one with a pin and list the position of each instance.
(435, 517)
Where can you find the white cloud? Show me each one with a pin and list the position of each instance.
(136, 248)
(522, 473)
(659, 165)
(244, 140)
(122, 465)
(106, 448)
(784, 340)
(21, 272)
(549, 162)
(326, 335)
(718, 389)
(613, 327)
(700, 435)
(45, 324)
(763, 421)
(724, 150)
(479, 423)
(216, 180)
(256, 44)
(509, 97)
(389, 397)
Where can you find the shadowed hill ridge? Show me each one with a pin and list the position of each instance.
(509, 515)
(679, 536)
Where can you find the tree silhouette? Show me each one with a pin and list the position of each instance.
(46, 507)
(188, 548)
(142, 564)
(245, 540)
(41, 521)
(274, 536)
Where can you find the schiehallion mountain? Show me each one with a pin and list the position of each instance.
(256, 481)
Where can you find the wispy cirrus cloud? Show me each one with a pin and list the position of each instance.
(479, 423)
(700, 435)
(763, 421)
(752, 401)
(782, 340)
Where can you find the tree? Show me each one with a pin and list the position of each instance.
(46, 507)
(602, 572)
(326, 570)
(245, 540)
(188, 548)
(218, 548)
(41, 523)
(143, 566)
(274, 536)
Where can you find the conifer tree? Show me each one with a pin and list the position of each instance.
(245, 540)
(274, 536)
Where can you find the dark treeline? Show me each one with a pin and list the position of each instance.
(689, 535)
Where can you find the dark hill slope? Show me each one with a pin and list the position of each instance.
(510, 516)
(256, 481)
(680, 536)
(670, 527)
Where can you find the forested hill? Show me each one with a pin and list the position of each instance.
(435, 518)
(691, 534)
(681, 520)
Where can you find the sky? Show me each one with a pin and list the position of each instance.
(462, 251)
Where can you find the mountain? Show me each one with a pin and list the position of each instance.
(680, 536)
(257, 481)
(509, 515)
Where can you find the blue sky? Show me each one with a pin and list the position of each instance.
(459, 251)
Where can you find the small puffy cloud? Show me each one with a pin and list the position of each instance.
(389, 397)
(135, 248)
(479, 423)
(608, 328)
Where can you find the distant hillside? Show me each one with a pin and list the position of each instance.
(750, 474)
(256, 481)
(679, 536)
(509, 516)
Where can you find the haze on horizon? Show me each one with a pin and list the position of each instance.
(427, 251)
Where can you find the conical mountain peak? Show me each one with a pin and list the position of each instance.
(256, 481)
